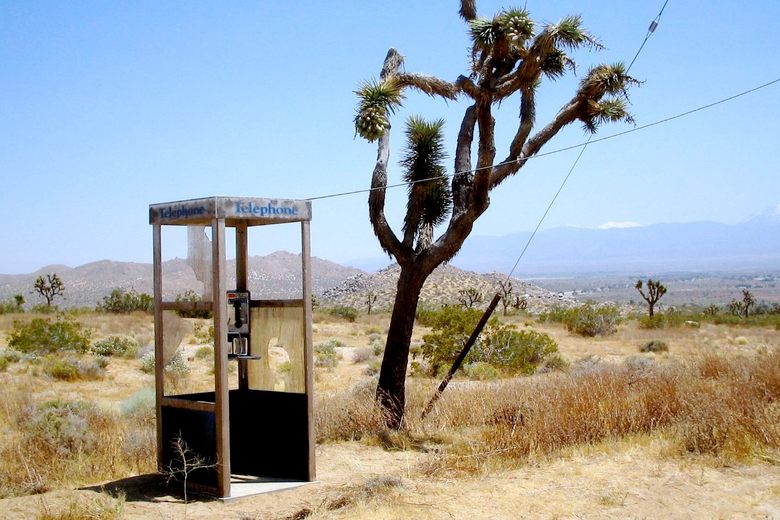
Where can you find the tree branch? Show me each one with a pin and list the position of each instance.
(376, 199)
(462, 179)
(430, 85)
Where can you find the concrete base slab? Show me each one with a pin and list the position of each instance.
(244, 486)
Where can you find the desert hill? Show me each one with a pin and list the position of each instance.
(441, 288)
(276, 275)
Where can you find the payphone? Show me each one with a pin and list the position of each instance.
(238, 322)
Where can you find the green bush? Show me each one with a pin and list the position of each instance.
(349, 314)
(42, 336)
(11, 307)
(123, 302)
(499, 346)
(203, 334)
(656, 322)
(4, 362)
(654, 346)
(325, 354)
(7, 357)
(481, 371)
(451, 327)
(516, 351)
(115, 346)
(589, 319)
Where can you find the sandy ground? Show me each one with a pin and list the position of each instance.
(623, 481)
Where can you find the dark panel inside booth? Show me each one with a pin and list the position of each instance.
(198, 430)
(269, 434)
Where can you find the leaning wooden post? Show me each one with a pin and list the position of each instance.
(463, 353)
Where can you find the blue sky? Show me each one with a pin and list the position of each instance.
(107, 107)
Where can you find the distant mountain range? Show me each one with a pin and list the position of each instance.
(276, 275)
(697, 246)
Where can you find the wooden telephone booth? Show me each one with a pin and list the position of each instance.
(261, 430)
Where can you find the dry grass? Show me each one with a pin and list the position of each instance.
(63, 443)
(726, 408)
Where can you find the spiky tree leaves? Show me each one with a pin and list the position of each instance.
(378, 99)
(510, 55)
(430, 197)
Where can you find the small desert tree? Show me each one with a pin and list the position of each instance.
(370, 300)
(747, 301)
(510, 56)
(655, 290)
(49, 287)
(505, 289)
(469, 297)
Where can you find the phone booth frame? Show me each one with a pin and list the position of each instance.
(234, 426)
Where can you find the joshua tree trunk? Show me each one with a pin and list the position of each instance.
(392, 377)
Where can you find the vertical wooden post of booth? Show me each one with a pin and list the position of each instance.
(241, 285)
(308, 353)
(222, 398)
(159, 382)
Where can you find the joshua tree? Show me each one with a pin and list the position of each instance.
(505, 288)
(469, 297)
(49, 287)
(19, 300)
(370, 300)
(510, 56)
(655, 290)
(747, 301)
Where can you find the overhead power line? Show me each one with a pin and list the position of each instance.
(563, 149)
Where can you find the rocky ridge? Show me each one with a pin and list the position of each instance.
(441, 288)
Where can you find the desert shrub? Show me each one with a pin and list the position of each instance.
(481, 371)
(203, 334)
(451, 327)
(12, 306)
(499, 346)
(140, 406)
(41, 336)
(115, 346)
(516, 351)
(658, 321)
(204, 352)
(363, 354)
(553, 362)
(121, 301)
(655, 345)
(7, 357)
(177, 365)
(72, 369)
(373, 367)
(589, 319)
(346, 313)
(147, 363)
(192, 297)
(61, 427)
(377, 346)
(325, 354)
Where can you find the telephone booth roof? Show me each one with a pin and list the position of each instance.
(250, 211)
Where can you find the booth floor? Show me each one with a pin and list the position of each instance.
(244, 486)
